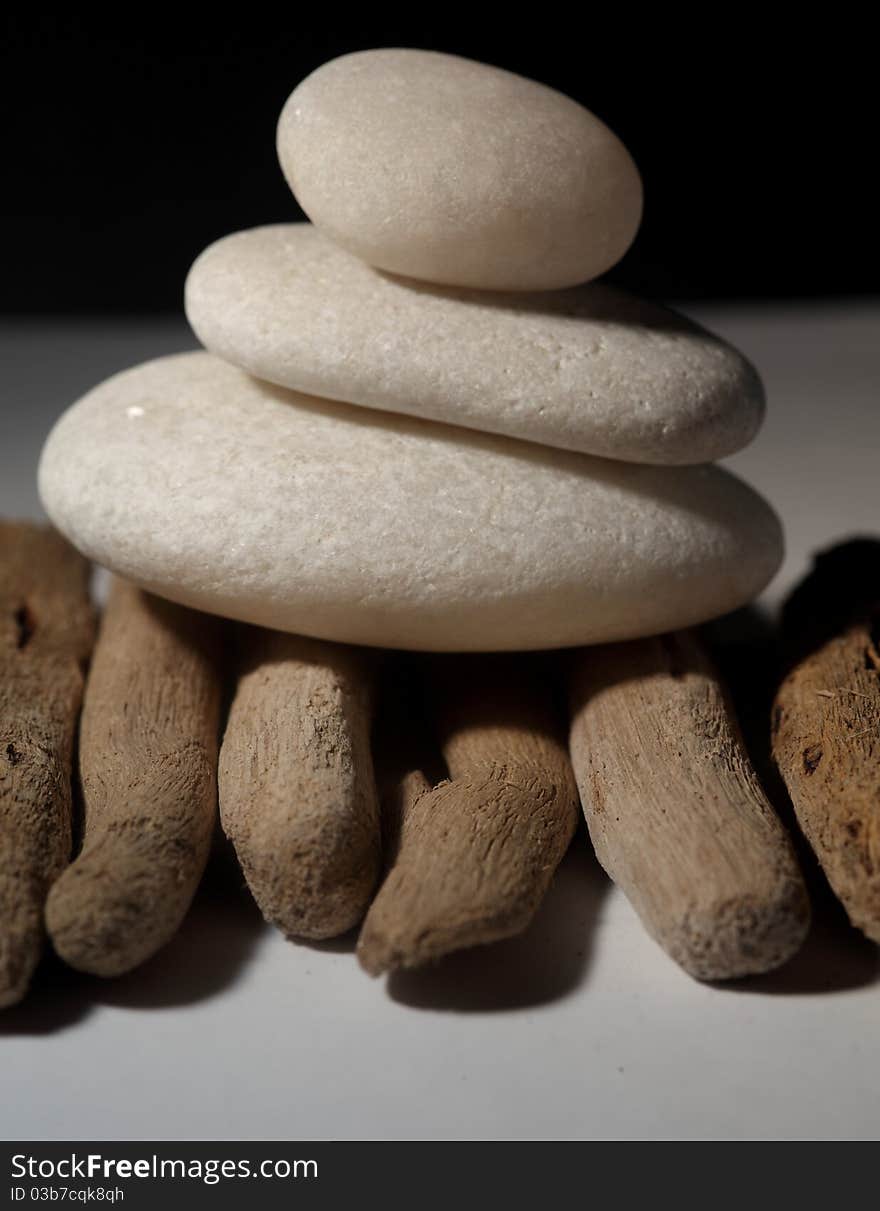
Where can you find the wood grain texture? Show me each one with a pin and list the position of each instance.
(148, 763)
(826, 722)
(477, 852)
(46, 634)
(297, 793)
(675, 810)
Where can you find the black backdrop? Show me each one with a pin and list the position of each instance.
(131, 143)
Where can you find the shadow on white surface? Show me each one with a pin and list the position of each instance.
(835, 957)
(219, 937)
(548, 962)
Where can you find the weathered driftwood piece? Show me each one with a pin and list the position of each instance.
(675, 810)
(148, 762)
(46, 633)
(826, 722)
(477, 852)
(297, 793)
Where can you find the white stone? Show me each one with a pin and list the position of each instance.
(451, 171)
(239, 498)
(589, 369)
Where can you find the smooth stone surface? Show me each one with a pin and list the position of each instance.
(236, 497)
(451, 171)
(590, 369)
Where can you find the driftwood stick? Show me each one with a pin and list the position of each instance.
(477, 852)
(46, 633)
(297, 794)
(148, 761)
(675, 811)
(826, 722)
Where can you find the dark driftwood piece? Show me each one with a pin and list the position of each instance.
(46, 634)
(477, 852)
(148, 764)
(676, 812)
(826, 722)
(297, 794)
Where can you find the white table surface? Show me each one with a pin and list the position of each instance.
(579, 1029)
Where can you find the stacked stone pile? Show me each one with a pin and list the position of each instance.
(414, 426)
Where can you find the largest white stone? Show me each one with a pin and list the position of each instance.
(243, 499)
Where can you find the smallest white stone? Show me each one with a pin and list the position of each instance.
(439, 168)
(134, 412)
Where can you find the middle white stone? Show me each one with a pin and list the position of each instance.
(589, 369)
